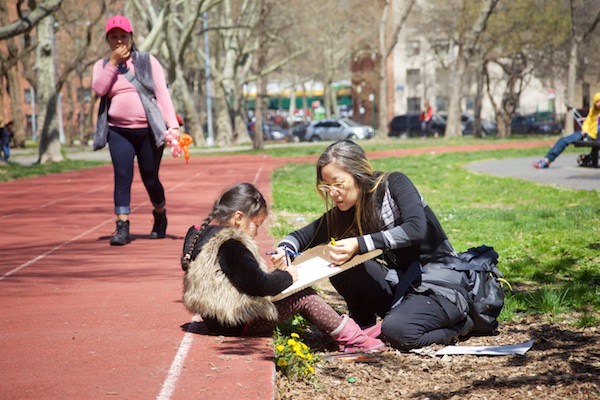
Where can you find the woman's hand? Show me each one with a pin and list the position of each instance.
(343, 250)
(119, 55)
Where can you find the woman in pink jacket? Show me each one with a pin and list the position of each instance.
(123, 123)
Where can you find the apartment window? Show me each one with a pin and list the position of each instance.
(441, 103)
(27, 95)
(413, 48)
(413, 104)
(440, 46)
(413, 77)
(469, 103)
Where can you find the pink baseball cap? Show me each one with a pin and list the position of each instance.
(118, 21)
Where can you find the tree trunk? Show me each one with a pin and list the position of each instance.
(571, 80)
(14, 83)
(383, 55)
(192, 115)
(453, 125)
(49, 145)
(477, 131)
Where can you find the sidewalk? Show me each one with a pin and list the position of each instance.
(564, 171)
(84, 320)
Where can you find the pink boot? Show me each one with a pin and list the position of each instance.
(352, 339)
(373, 331)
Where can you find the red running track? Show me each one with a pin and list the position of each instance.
(80, 319)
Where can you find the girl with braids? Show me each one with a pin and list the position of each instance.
(369, 210)
(228, 283)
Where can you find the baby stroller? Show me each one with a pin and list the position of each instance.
(583, 160)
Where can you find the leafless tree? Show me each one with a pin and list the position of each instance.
(27, 17)
(386, 46)
(465, 51)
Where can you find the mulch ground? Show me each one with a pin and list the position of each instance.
(564, 363)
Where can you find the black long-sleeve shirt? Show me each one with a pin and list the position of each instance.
(410, 230)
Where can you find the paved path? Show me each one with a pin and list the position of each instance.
(564, 171)
(80, 319)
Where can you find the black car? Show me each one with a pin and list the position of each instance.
(533, 123)
(273, 132)
(409, 125)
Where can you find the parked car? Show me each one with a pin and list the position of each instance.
(299, 131)
(533, 123)
(466, 121)
(408, 125)
(337, 129)
(274, 132)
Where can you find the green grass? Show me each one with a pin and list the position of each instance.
(547, 238)
(14, 171)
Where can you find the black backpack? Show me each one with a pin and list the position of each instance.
(485, 294)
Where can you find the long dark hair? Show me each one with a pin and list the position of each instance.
(244, 197)
(351, 158)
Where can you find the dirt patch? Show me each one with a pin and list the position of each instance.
(564, 363)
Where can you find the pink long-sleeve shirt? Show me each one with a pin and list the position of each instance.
(126, 110)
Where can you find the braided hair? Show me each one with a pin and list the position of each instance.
(242, 197)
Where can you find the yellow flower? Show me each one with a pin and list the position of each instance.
(311, 369)
(281, 362)
(291, 342)
(295, 335)
(280, 348)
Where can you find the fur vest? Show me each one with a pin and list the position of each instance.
(208, 292)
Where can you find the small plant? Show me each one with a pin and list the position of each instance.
(292, 357)
(587, 321)
(549, 302)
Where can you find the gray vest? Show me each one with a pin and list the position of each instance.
(143, 73)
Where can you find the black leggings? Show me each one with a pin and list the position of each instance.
(124, 145)
(419, 320)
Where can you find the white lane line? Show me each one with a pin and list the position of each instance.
(52, 250)
(260, 168)
(171, 380)
(169, 385)
(51, 203)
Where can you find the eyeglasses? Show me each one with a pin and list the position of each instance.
(338, 187)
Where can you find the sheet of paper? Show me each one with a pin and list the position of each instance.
(314, 265)
(520, 348)
(311, 271)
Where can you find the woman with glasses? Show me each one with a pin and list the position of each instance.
(228, 283)
(409, 288)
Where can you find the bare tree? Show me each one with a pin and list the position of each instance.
(49, 144)
(386, 46)
(466, 50)
(27, 18)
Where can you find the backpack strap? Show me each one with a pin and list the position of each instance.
(142, 90)
(412, 273)
(474, 267)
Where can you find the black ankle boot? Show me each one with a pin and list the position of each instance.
(121, 235)
(159, 230)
